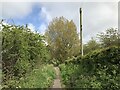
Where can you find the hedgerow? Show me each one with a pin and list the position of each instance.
(99, 69)
(22, 51)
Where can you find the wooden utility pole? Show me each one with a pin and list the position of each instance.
(81, 44)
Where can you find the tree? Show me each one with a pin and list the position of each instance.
(109, 38)
(62, 38)
(91, 45)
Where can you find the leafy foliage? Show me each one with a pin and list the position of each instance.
(25, 57)
(62, 39)
(22, 51)
(99, 69)
(91, 46)
(109, 38)
(41, 77)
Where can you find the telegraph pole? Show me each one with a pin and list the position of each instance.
(81, 44)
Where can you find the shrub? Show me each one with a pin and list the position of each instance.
(99, 69)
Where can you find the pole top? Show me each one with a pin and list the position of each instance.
(80, 10)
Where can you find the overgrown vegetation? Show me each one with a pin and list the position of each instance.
(41, 77)
(27, 60)
(22, 51)
(99, 69)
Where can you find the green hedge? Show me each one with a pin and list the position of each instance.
(99, 69)
(22, 51)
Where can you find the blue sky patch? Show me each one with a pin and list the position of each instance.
(33, 18)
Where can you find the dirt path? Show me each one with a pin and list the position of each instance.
(57, 83)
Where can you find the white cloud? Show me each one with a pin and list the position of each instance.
(42, 28)
(15, 9)
(31, 27)
(1, 27)
(103, 16)
(97, 17)
(44, 14)
(59, 1)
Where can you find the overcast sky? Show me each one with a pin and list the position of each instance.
(97, 16)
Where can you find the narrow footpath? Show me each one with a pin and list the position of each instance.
(57, 83)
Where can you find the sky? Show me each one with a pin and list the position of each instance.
(97, 16)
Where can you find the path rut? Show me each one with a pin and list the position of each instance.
(57, 83)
